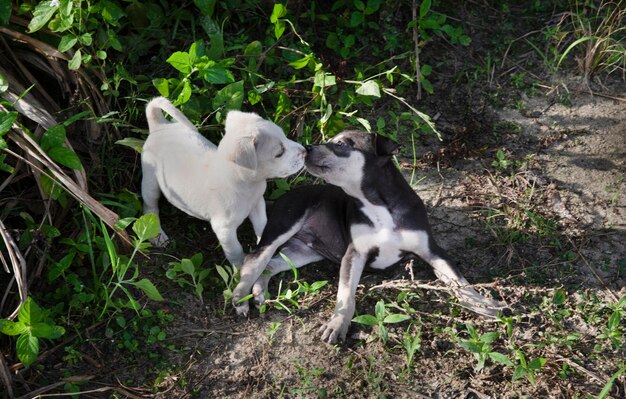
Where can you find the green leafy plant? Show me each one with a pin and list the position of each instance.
(230, 277)
(614, 330)
(189, 269)
(272, 330)
(412, 343)
(33, 324)
(525, 368)
(287, 298)
(381, 317)
(501, 164)
(480, 346)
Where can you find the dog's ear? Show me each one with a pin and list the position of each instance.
(244, 153)
(384, 146)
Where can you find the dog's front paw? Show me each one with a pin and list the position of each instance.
(335, 330)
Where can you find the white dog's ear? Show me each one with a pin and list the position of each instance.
(244, 153)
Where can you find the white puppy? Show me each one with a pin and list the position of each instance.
(222, 184)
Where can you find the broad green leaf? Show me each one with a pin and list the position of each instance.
(559, 296)
(318, 284)
(230, 97)
(187, 266)
(67, 42)
(366, 319)
(5, 11)
(396, 318)
(111, 12)
(379, 310)
(65, 157)
(146, 227)
(196, 51)
(425, 7)
(76, 60)
(365, 123)
(185, 93)
(372, 6)
(30, 313)
(53, 137)
(132, 142)
(323, 79)
(8, 327)
(216, 74)
(223, 274)
(45, 330)
(162, 85)
(519, 373)
(6, 121)
(537, 363)
(500, 358)
(356, 19)
(181, 61)
(196, 259)
(489, 337)
(27, 349)
(206, 7)
(279, 11)
(85, 39)
(254, 48)
(279, 29)
(369, 88)
(42, 14)
(302, 62)
(57, 268)
(149, 289)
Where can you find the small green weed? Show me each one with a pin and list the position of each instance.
(528, 369)
(614, 330)
(287, 299)
(381, 317)
(480, 346)
(189, 269)
(230, 277)
(33, 323)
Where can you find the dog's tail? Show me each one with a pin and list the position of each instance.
(154, 114)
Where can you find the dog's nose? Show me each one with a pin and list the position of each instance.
(308, 147)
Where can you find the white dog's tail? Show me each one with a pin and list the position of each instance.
(156, 118)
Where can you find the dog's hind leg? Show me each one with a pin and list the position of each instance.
(295, 253)
(446, 272)
(150, 192)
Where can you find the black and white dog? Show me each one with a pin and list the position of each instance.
(368, 216)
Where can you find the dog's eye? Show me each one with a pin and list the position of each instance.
(281, 152)
(340, 143)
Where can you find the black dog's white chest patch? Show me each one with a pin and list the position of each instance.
(382, 236)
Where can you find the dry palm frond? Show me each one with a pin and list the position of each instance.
(40, 85)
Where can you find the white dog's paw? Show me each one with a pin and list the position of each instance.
(335, 330)
(160, 240)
